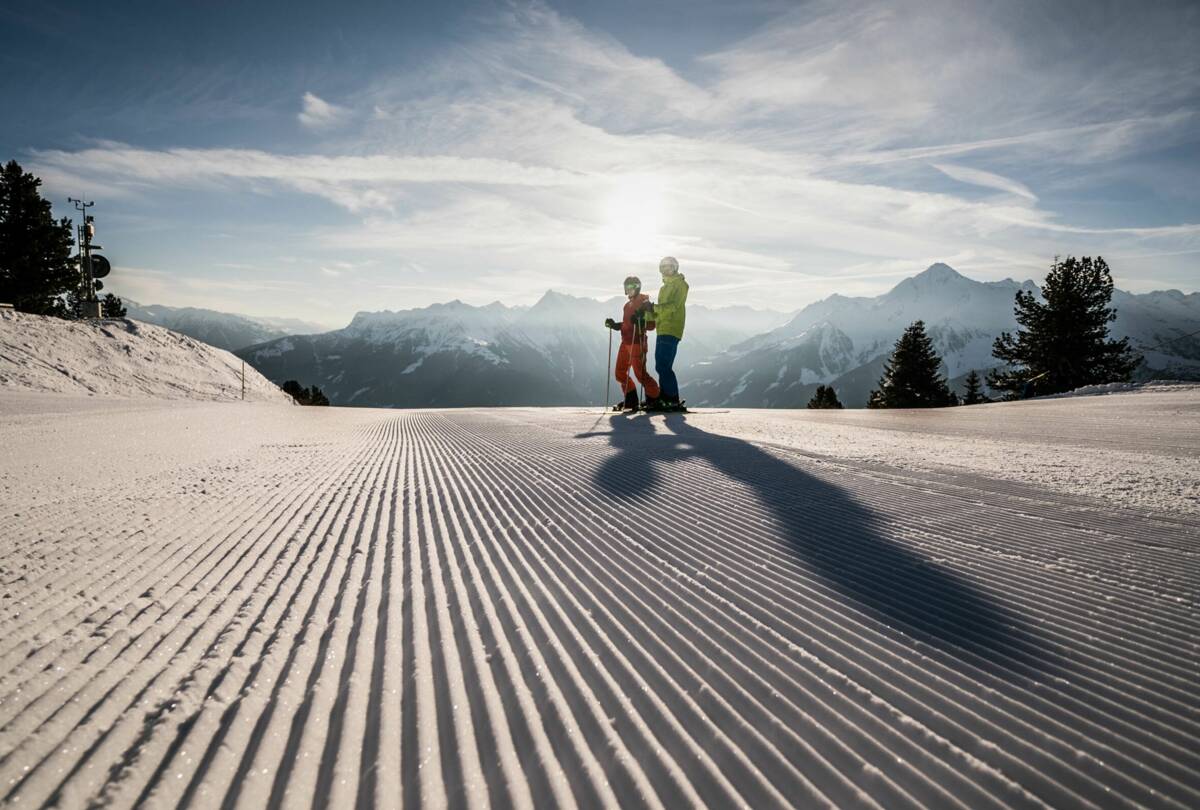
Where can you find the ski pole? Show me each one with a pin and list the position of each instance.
(608, 373)
(645, 345)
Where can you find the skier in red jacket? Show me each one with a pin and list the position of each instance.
(632, 354)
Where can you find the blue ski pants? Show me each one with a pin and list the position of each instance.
(665, 347)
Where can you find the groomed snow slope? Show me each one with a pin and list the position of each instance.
(346, 608)
(120, 358)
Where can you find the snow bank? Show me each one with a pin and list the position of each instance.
(120, 358)
(1125, 388)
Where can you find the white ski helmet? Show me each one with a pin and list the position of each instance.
(669, 266)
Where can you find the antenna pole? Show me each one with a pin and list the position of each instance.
(91, 305)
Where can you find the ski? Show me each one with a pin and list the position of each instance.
(680, 408)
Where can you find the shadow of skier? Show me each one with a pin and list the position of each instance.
(837, 539)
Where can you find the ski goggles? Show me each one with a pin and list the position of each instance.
(632, 287)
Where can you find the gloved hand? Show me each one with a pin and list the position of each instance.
(647, 306)
(611, 324)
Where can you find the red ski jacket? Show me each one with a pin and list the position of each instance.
(631, 325)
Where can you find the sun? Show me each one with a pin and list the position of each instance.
(632, 217)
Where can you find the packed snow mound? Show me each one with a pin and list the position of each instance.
(120, 358)
(1127, 387)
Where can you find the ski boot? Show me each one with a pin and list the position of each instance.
(630, 403)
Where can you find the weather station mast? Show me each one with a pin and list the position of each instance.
(92, 268)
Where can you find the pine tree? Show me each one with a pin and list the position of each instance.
(36, 267)
(1063, 343)
(973, 395)
(73, 304)
(296, 391)
(114, 307)
(825, 397)
(910, 376)
(316, 397)
(305, 396)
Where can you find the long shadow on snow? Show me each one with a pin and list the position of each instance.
(832, 535)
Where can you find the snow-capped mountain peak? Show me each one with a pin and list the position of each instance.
(938, 273)
(941, 284)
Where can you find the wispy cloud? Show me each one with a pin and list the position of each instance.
(978, 177)
(317, 113)
(358, 183)
(909, 74)
(1088, 143)
(337, 269)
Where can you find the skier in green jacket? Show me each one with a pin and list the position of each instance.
(669, 313)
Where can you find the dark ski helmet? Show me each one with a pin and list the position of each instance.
(634, 284)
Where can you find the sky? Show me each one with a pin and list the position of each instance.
(312, 159)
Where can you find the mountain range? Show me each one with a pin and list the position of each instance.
(454, 354)
(555, 352)
(844, 342)
(224, 330)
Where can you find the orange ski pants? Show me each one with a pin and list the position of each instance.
(633, 355)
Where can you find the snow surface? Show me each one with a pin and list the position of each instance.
(121, 358)
(242, 605)
(1138, 451)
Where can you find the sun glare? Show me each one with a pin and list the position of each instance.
(633, 216)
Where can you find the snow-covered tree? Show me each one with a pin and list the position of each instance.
(36, 268)
(911, 377)
(1063, 341)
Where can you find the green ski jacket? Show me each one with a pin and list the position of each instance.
(669, 312)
